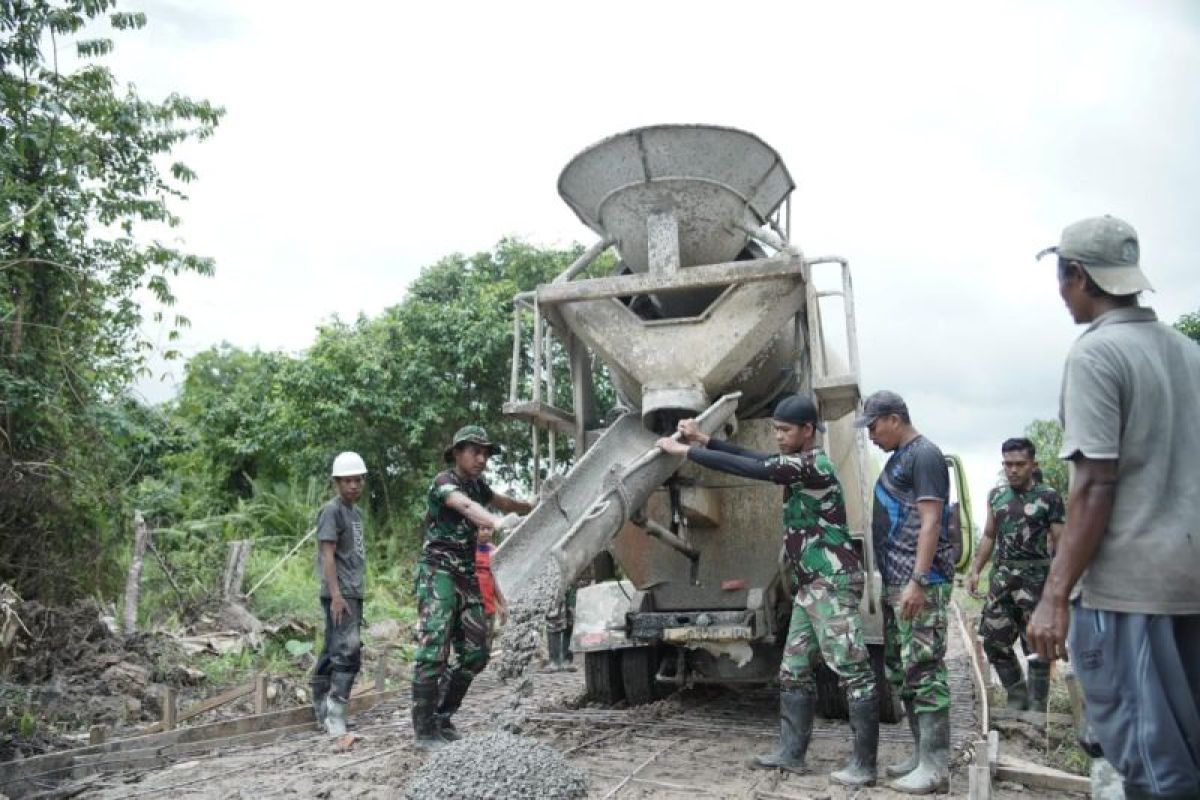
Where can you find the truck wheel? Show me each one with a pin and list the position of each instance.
(639, 666)
(831, 699)
(602, 677)
(889, 710)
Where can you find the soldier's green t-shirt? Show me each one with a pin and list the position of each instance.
(450, 538)
(1023, 520)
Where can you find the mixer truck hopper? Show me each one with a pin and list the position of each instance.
(712, 312)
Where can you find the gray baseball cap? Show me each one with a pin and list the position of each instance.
(1107, 248)
(878, 405)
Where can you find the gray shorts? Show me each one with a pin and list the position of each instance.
(1140, 675)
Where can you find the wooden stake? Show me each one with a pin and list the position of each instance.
(235, 568)
(141, 534)
(260, 693)
(170, 709)
(381, 670)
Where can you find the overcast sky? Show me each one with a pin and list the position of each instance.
(938, 146)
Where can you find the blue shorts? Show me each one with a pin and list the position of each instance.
(1140, 675)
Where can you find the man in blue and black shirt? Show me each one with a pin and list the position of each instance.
(912, 545)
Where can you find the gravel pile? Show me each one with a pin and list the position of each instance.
(496, 765)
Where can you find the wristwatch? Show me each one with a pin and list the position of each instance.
(921, 579)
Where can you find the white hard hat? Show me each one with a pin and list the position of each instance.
(347, 464)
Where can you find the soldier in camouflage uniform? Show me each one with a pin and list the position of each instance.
(825, 618)
(1023, 523)
(448, 596)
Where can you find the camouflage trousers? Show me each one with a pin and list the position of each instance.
(451, 619)
(1013, 595)
(915, 649)
(826, 621)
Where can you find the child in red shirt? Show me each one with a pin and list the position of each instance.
(493, 599)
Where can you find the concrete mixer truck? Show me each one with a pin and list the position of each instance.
(712, 312)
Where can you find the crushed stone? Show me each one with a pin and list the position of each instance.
(497, 765)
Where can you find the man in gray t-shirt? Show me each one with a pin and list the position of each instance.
(1130, 397)
(341, 568)
(340, 523)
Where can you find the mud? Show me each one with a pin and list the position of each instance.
(69, 669)
(695, 743)
(497, 765)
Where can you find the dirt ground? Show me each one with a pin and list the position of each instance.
(692, 743)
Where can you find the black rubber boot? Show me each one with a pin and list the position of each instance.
(1039, 685)
(1014, 684)
(456, 690)
(933, 772)
(864, 721)
(795, 730)
(568, 656)
(424, 707)
(320, 690)
(554, 649)
(909, 764)
(564, 649)
(1018, 696)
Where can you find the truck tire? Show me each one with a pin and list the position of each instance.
(639, 666)
(602, 677)
(831, 700)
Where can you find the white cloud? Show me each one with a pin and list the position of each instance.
(937, 145)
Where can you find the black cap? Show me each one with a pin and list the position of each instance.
(798, 410)
(878, 405)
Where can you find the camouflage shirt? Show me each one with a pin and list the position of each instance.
(1023, 521)
(816, 537)
(450, 538)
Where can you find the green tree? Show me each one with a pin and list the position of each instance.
(393, 387)
(81, 194)
(1046, 435)
(1189, 325)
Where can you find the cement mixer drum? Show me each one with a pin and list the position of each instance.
(712, 179)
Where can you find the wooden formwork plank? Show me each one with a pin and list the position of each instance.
(1039, 777)
(52, 763)
(978, 664)
(195, 710)
(1039, 718)
(164, 756)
